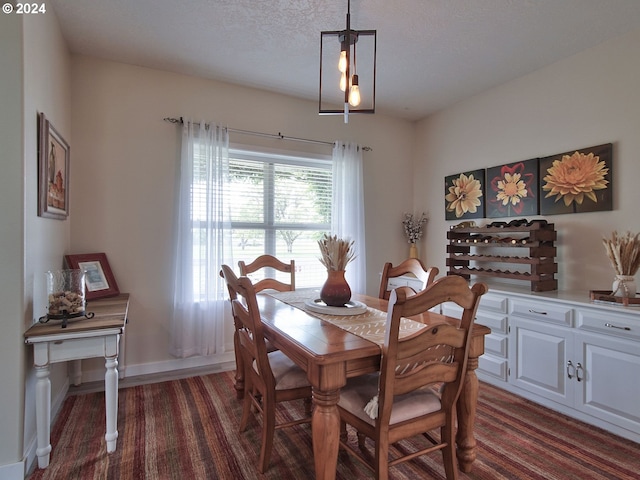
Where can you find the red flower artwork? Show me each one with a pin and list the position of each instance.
(512, 189)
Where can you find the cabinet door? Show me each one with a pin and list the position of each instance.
(538, 357)
(608, 386)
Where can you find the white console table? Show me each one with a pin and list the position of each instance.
(98, 336)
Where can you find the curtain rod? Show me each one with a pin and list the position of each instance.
(269, 135)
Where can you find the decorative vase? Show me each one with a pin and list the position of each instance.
(413, 251)
(335, 292)
(624, 286)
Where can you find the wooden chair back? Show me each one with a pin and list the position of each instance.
(411, 265)
(270, 263)
(249, 331)
(436, 354)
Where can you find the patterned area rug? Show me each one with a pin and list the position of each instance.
(188, 429)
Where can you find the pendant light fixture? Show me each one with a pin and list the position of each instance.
(347, 79)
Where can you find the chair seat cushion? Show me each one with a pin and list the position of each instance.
(287, 374)
(360, 390)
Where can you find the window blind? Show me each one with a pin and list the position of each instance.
(281, 205)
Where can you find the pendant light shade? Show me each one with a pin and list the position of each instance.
(347, 71)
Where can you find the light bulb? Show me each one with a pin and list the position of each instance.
(354, 92)
(343, 81)
(342, 63)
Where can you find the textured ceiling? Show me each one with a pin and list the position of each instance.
(431, 53)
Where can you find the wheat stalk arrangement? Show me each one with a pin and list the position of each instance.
(623, 252)
(336, 252)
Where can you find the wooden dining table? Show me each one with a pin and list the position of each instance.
(331, 354)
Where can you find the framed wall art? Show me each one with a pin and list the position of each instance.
(99, 279)
(53, 171)
(512, 189)
(464, 195)
(577, 181)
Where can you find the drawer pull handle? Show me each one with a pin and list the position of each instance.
(579, 369)
(610, 325)
(535, 311)
(571, 372)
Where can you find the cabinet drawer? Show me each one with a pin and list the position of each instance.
(546, 312)
(396, 282)
(493, 302)
(405, 281)
(496, 344)
(492, 366)
(496, 322)
(608, 323)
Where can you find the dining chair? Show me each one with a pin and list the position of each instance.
(264, 268)
(270, 377)
(419, 382)
(410, 265)
(268, 262)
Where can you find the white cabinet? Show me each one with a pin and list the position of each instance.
(576, 357)
(608, 369)
(541, 340)
(492, 313)
(539, 354)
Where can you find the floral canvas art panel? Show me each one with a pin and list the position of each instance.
(464, 195)
(577, 181)
(512, 189)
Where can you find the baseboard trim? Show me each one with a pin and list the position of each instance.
(13, 471)
(93, 381)
(177, 364)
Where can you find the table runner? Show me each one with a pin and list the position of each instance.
(369, 325)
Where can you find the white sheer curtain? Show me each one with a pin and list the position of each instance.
(347, 216)
(202, 242)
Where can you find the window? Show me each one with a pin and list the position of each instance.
(280, 205)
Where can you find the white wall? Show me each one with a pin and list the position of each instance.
(47, 85)
(34, 77)
(589, 99)
(124, 163)
(11, 238)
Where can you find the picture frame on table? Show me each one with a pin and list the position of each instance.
(99, 279)
(53, 171)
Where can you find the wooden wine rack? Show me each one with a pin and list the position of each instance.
(534, 240)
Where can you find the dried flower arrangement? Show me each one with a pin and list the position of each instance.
(413, 228)
(336, 252)
(624, 252)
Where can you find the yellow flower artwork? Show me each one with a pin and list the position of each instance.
(464, 194)
(576, 181)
